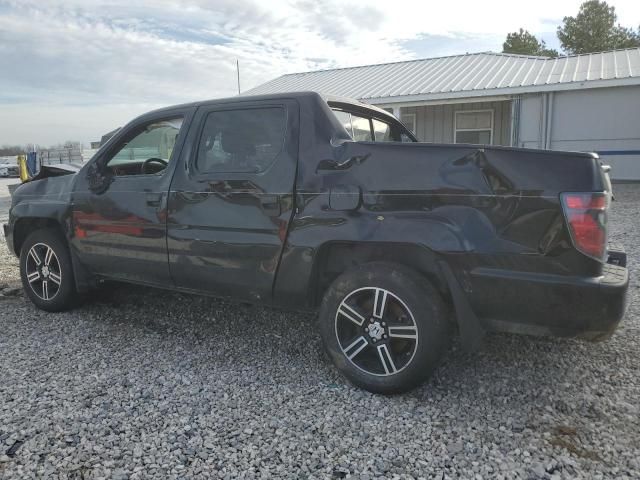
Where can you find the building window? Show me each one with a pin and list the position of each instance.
(409, 121)
(474, 126)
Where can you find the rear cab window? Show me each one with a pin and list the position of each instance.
(368, 128)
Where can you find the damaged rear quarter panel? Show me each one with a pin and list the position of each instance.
(475, 207)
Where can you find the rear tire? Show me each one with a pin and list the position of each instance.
(46, 271)
(384, 327)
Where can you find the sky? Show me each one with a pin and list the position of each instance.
(76, 69)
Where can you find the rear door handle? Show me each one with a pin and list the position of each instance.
(332, 165)
(154, 199)
(270, 204)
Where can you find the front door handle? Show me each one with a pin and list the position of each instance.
(270, 205)
(154, 199)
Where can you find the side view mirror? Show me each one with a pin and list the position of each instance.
(98, 177)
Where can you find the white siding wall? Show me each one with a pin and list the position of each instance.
(435, 123)
(530, 135)
(605, 120)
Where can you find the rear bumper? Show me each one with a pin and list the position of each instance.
(543, 304)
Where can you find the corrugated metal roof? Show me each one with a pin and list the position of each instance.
(472, 74)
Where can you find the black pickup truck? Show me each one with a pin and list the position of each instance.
(310, 202)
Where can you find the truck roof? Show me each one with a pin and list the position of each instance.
(276, 96)
(340, 101)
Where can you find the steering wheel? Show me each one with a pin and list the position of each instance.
(148, 161)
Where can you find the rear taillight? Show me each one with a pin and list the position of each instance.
(586, 215)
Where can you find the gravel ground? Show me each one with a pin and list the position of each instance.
(141, 383)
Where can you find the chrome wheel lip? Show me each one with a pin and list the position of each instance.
(43, 272)
(359, 347)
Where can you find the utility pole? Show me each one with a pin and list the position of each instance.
(238, 72)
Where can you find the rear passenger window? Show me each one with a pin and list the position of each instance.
(345, 119)
(366, 129)
(382, 131)
(247, 140)
(361, 129)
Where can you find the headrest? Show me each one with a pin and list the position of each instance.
(237, 142)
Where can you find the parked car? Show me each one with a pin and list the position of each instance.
(310, 202)
(9, 170)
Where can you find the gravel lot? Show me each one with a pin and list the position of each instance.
(141, 383)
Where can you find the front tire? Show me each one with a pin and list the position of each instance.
(46, 271)
(384, 327)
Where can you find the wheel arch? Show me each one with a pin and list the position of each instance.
(335, 258)
(27, 215)
(24, 226)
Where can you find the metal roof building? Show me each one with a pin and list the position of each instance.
(581, 102)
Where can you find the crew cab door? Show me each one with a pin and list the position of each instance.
(120, 200)
(230, 207)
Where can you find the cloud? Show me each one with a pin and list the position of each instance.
(78, 68)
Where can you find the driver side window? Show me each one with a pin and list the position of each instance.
(147, 150)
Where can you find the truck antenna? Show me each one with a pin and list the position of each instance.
(238, 72)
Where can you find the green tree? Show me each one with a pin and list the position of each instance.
(594, 29)
(524, 43)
